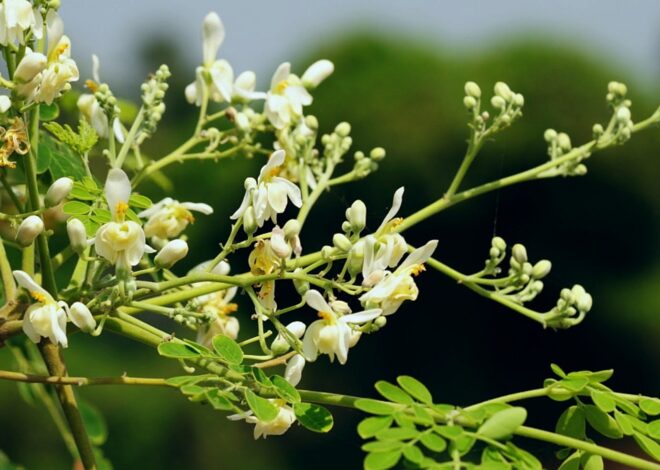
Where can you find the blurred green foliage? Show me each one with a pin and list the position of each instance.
(601, 230)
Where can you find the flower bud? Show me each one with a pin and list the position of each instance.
(29, 229)
(597, 130)
(549, 135)
(357, 216)
(518, 100)
(77, 235)
(291, 229)
(502, 90)
(623, 115)
(58, 191)
(343, 129)
(519, 253)
(499, 243)
(377, 154)
(541, 269)
(172, 252)
(278, 244)
(280, 344)
(82, 317)
(342, 242)
(317, 72)
(585, 302)
(249, 221)
(5, 103)
(300, 285)
(380, 321)
(469, 102)
(472, 90)
(564, 141)
(498, 102)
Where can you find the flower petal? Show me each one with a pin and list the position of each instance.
(396, 205)
(213, 33)
(117, 189)
(200, 207)
(315, 300)
(362, 317)
(419, 256)
(26, 282)
(282, 73)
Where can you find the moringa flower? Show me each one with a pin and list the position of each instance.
(286, 98)
(168, 218)
(394, 288)
(332, 334)
(16, 17)
(121, 242)
(268, 195)
(275, 427)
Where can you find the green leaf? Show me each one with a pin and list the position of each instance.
(463, 444)
(81, 141)
(76, 208)
(260, 377)
(393, 393)
(650, 406)
(59, 158)
(139, 201)
(181, 380)
(627, 406)
(422, 415)
(368, 427)
(451, 431)
(624, 423)
(374, 407)
(415, 388)
(177, 350)
(48, 112)
(397, 434)
(95, 425)
(262, 408)
(413, 454)
(572, 423)
(285, 390)
(648, 445)
(654, 429)
(603, 400)
(599, 376)
(592, 462)
(382, 460)
(524, 458)
(602, 422)
(81, 192)
(228, 349)
(572, 462)
(503, 423)
(433, 442)
(314, 417)
(219, 401)
(557, 370)
(575, 383)
(382, 446)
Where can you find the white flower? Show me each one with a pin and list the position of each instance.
(269, 194)
(5, 103)
(121, 242)
(77, 233)
(171, 253)
(244, 88)
(294, 368)
(213, 34)
(317, 72)
(276, 427)
(385, 248)
(286, 98)
(394, 288)
(46, 318)
(168, 218)
(58, 191)
(16, 16)
(29, 229)
(332, 334)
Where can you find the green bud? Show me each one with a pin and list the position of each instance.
(327, 252)
(342, 242)
(377, 153)
(494, 252)
(505, 119)
(343, 129)
(541, 269)
(472, 90)
(549, 135)
(623, 115)
(380, 321)
(564, 141)
(301, 286)
(498, 102)
(469, 102)
(359, 155)
(499, 243)
(518, 100)
(346, 226)
(312, 122)
(597, 130)
(581, 169)
(291, 229)
(519, 253)
(503, 90)
(585, 302)
(356, 215)
(249, 221)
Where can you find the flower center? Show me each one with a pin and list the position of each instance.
(280, 87)
(184, 214)
(91, 85)
(38, 296)
(417, 270)
(121, 210)
(327, 316)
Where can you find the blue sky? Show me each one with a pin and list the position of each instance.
(261, 34)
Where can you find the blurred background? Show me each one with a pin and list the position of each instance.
(400, 70)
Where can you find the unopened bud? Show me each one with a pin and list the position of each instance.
(499, 243)
(249, 221)
(58, 191)
(291, 229)
(172, 252)
(317, 72)
(356, 215)
(377, 153)
(343, 129)
(623, 115)
(30, 228)
(597, 130)
(518, 100)
(472, 90)
(380, 321)
(503, 90)
(564, 141)
(342, 242)
(498, 102)
(300, 285)
(469, 102)
(549, 135)
(519, 253)
(280, 344)
(77, 235)
(82, 317)
(541, 269)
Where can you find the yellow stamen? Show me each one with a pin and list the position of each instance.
(280, 87)
(91, 85)
(327, 316)
(417, 270)
(121, 210)
(38, 296)
(228, 309)
(185, 214)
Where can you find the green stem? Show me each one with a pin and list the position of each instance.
(81, 381)
(130, 138)
(7, 277)
(473, 149)
(11, 193)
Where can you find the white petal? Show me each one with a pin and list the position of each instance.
(309, 348)
(362, 317)
(118, 130)
(315, 300)
(243, 207)
(282, 73)
(342, 344)
(198, 207)
(419, 256)
(96, 66)
(29, 330)
(213, 32)
(117, 189)
(275, 160)
(294, 368)
(293, 191)
(155, 208)
(277, 196)
(54, 28)
(396, 205)
(26, 282)
(317, 72)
